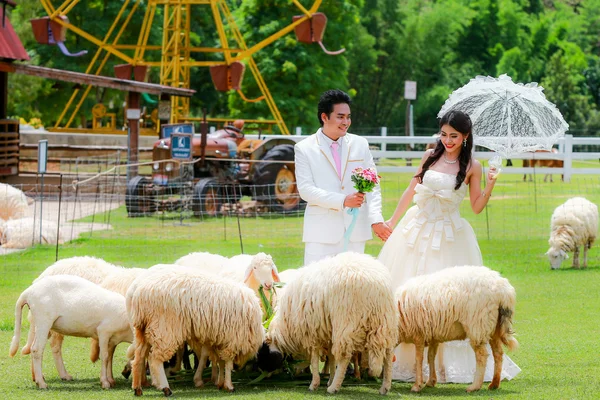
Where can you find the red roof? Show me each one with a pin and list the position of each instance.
(11, 47)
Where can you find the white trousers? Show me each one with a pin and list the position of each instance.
(317, 251)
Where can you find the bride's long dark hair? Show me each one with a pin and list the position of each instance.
(462, 123)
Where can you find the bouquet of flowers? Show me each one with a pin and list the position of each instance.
(365, 180)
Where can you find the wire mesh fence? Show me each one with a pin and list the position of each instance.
(149, 228)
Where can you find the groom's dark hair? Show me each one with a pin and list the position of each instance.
(329, 99)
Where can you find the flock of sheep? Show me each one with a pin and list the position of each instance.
(335, 309)
(340, 309)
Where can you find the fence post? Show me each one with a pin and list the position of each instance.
(298, 131)
(383, 134)
(568, 164)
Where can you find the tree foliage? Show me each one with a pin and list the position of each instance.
(439, 44)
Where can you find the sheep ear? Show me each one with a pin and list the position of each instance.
(248, 273)
(275, 274)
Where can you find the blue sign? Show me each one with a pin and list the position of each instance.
(168, 130)
(181, 146)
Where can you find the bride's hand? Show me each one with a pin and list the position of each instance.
(493, 174)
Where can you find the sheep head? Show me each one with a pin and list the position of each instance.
(556, 257)
(263, 270)
(269, 358)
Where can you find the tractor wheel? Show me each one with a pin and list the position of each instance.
(139, 197)
(207, 198)
(275, 183)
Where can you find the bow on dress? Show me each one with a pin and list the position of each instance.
(438, 216)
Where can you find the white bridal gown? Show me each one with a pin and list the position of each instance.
(432, 236)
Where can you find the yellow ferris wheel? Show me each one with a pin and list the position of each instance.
(176, 50)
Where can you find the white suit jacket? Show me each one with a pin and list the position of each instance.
(325, 219)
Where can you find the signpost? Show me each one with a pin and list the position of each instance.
(42, 167)
(410, 93)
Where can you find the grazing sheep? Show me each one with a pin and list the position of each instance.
(173, 304)
(25, 232)
(91, 268)
(13, 202)
(255, 271)
(72, 306)
(336, 307)
(455, 304)
(573, 224)
(96, 270)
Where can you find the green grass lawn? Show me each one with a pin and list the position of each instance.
(556, 318)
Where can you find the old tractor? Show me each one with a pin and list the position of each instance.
(225, 166)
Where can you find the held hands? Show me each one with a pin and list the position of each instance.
(382, 230)
(354, 200)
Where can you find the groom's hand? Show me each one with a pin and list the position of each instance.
(354, 200)
(382, 230)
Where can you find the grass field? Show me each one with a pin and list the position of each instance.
(556, 318)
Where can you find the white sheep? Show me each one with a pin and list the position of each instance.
(454, 304)
(25, 232)
(336, 306)
(573, 224)
(96, 270)
(13, 202)
(91, 268)
(168, 306)
(99, 314)
(255, 271)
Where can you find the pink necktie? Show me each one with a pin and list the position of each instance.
(336, 158)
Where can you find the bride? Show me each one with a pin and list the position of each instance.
(433, 236)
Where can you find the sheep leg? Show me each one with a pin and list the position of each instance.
(314, 368)
(157, 370)
(138, 365)
(576, 258)
(221, 379)
(103, 343)
(356, 362)
(30, 336)
(331, 361)
(341, 365)
(56, 341)
(227, 384)
(364, 364)
(431, 353)
(585, 250)
(441, 367)
(496, 345)
(481, 356)
(37, 352)
(419, 348)
(109, 368)
(198, 382)
(386, 385)
(214, 373)
(326, 366)
(94, 350)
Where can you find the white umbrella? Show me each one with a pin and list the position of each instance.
(509, 118)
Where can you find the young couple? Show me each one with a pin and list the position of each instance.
(430, 236)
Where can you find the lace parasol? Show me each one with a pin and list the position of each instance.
(509, 118)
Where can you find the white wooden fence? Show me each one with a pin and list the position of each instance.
(566, 153)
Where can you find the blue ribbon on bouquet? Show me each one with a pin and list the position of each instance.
(354, 213)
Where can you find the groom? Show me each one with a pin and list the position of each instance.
(324, 164)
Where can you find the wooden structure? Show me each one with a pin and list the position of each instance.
(11, 49)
